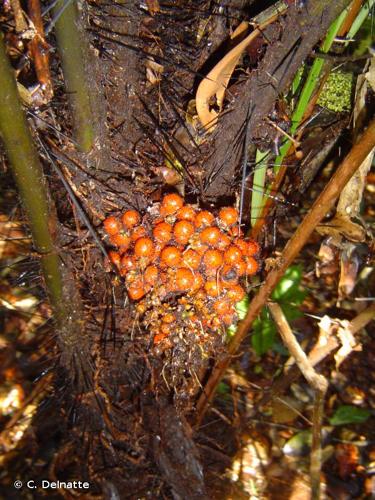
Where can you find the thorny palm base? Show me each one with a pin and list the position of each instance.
(123, 419)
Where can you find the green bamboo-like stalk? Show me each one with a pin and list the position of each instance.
(72, 59)
(28, 174)
(310, 84)
(303, 101)
(27, 171)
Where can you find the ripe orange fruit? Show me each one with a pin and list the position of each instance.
(111, 225)
(241, 244)
(151, 274)
(120, 240)
(222, 306)
(236, 232)
(198, 283)
(223, 242)
(228, 216)
(128, 262)
(130, 218)
(191, 259)
(169, 318)
(162, 232)
(236, 293)
(240, 267)
(204, 219)
(213, 288)
(184, 279)
(186, 212)
(138, 232)
(136, 290)
(170, 256)
(210, 236)
(200, 247)
(251, 266)
(252, 248)
(115, 258)
(159, 337)
(171, 203)
(183, 230)
(232, 255)
(212, 259)
(144, 247)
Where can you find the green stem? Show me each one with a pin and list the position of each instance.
(308, 88)
(72, 59)
(28, 174)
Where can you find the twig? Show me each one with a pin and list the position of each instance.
(39, 49)
(317, 382)
(362, 320)
(319, 209)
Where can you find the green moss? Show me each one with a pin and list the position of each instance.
(337, 92)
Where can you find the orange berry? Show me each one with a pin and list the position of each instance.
(232, 255)
(213, 288)
(198, 283)
(162, 232)
(236, 232)
(136, 291)
(210, 236)
(171, 203)
(236, 293)
(252, 248)
(222, 306)
(228, 216)
(213, 259)
(191, 259)
(183, 231)
(171, 256)
(111, 225)
(223, 242)
(115, 258)
(241, 244)
(138, 232)
(204, 219)
(151, 274)
(200, 247)
(169, 318)
(144, 247)
(186, 212)
(252, 266)
(128, 262)
(159, 337)
(120, 240)
(184, 279)
(240, 267)
(130, 218)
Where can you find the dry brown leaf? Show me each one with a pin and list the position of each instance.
(214, 85)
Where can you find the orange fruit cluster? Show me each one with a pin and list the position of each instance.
(185, 267)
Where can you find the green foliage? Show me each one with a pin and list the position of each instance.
(347, 414)
(289, 294)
